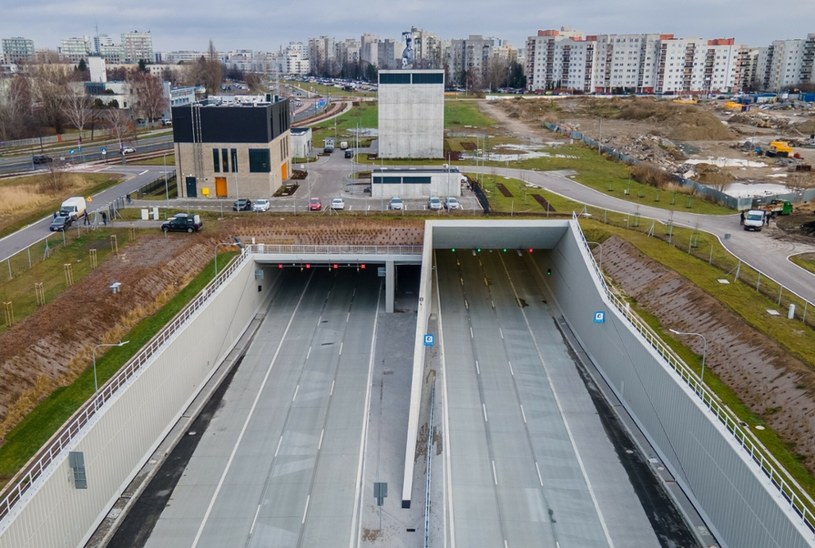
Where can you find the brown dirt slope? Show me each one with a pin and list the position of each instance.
(53, 346)
(772, 383)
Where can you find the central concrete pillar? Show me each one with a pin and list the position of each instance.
(390, 285)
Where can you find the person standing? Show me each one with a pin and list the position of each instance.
(85, 219)
(741, 217)
(104, 218)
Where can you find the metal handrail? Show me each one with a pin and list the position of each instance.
(777, 474)
(261, 248)
(23, 480)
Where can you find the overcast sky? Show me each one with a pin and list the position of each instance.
(265, 25)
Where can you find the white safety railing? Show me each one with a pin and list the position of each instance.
(798, 498)
(275, 249)
(24, 479)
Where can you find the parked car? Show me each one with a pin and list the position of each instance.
(261, 204)
(242, 204)
(434, 203)
(182, 222)
(337, 203)
(451, 203)
(128, 150)
(314, 204)
(60, 222)
(42, 159)
(396, 203)
(349, 153)
(328, 150)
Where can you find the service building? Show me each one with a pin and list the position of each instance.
(232, 151)
(411, 113)
(416, 182)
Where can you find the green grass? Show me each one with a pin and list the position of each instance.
(365, 115)
(464, 113)
(169, 161)
(19, 290)
(331, 91)
(806, 260)
(39, 425)
(98, 183)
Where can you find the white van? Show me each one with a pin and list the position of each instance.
(754, 220)
(73, 207)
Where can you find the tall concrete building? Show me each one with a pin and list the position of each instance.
(17, 49)
(387, 53)
(232, 150)
(137, 46)
(321, 53)
(369, 49)
(411, 113)
(75, 49)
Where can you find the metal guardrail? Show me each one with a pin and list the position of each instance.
(778, 475)
(24, 479)
(336, 249)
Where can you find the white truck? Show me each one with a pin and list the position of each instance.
(754, 220)
(73, 207)
(343, 145)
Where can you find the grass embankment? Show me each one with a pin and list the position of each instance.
(30, 198)
(328, 91)
(364, 116)
(50, 271)
(168, 161)
(744, 301)
(39, 425)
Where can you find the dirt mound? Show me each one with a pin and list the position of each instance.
(807, 127)
(776, 386)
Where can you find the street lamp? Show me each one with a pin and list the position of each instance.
(704, 348)
(95, 383)
(166, 188)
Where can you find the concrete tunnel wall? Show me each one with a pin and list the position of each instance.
(737, 500)
(130, 426)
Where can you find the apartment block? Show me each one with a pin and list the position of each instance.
(137, 46)
(17, 49)
(75, 49)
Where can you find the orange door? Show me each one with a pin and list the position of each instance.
(284, 171)
(220, 187)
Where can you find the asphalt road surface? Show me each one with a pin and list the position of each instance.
(530, 463)
(281, 462)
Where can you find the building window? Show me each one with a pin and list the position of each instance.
(225, 160)
(234, 160)
(216, 164)
(259, 160)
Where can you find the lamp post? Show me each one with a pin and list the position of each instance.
(95, 383)
(704, 348)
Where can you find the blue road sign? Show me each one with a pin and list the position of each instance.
(72, 151)
(429, 339)
(599, 317)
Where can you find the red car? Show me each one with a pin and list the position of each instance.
(314, 204)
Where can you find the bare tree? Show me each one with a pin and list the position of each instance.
(150, 100)
(16, 110)
(77, 107)
(49, 89)
(121, 126)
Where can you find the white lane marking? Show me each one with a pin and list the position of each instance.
(296, 389)
(494, 475)
(492, 303)
(320, 444)
(331, 392)
(537, 468)
(254, 521)
(363, 439)
(471, 332)
(462, 282)
(308, 353)
(523, 414)
(246, 422)
(501, 331)
(341, 347)
(318, 321)
(477, 369)
(505, 544)
(143, 172)
(348, 317)
(466, 304)
(279, 443)
(484, 409)
(305, 510)
(511, 372)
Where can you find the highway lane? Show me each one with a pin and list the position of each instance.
(134, 177)
(280, 463)
(530, 463)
